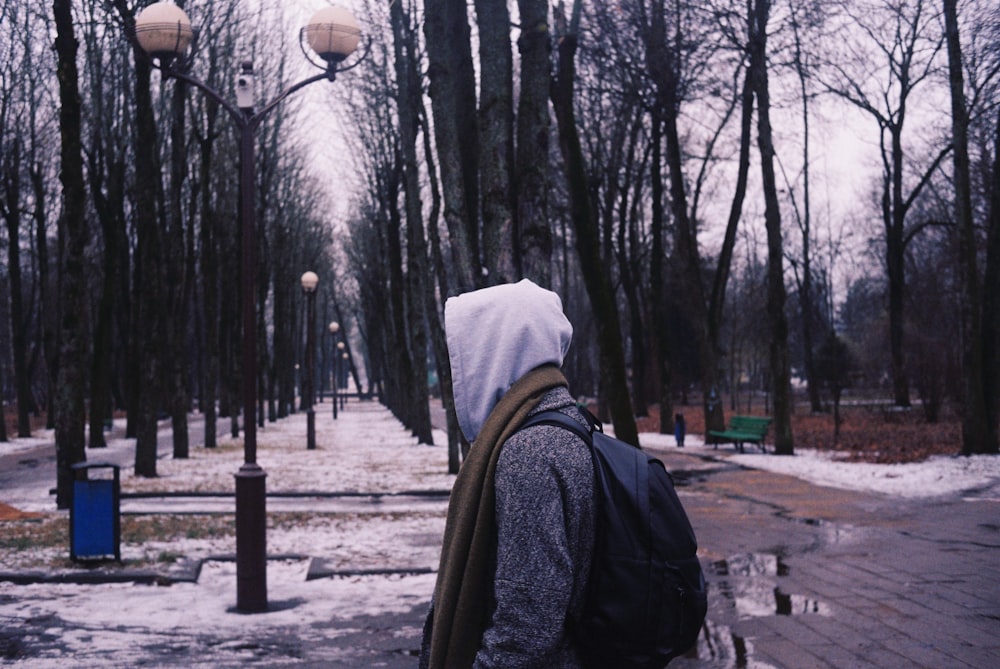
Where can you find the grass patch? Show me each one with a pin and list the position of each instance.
(140, 529)
(23, 535)
(168, 557)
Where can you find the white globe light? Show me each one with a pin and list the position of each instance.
(309, 281)
(163, 30)
(333, 33)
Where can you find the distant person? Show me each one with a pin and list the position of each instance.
(680, 429)
(520, 530)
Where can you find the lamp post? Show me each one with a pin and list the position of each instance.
(343, 371)
(341, 367)
(334, 328)
(164, 32)
(309, 281)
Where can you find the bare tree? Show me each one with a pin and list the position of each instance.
(801, 20)
(991, 304)
(408, 107)
(780, 369)
(979, 425)
(496, 138)
(146, 332)
(453, 101)
(907, 38)
(585, 225)
(680, 62)
(21, 118)
(533, 232)
(69, 400)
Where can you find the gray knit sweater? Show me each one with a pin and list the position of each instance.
(545, 538)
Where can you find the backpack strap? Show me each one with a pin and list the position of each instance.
(559, 419)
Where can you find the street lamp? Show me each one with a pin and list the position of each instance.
(334, 328)
(343, 371)
(164, 32)
(309, 281)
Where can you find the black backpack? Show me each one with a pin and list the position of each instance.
(646, 598)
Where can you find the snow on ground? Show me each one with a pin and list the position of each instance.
(194, 624)
(365, 450)
(935, 477)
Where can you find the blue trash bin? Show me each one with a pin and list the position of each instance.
(94, 515)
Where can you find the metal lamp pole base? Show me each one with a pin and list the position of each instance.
(251, 546)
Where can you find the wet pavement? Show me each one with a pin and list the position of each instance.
(805, 576)
(800, 577)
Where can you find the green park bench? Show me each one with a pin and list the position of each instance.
(741, 430)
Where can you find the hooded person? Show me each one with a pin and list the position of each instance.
(519, 536)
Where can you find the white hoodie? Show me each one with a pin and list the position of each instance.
(495, 336)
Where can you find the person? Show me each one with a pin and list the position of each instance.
(680, 429)
(519, 535)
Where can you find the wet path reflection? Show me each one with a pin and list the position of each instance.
(749, 585)
(743, 587)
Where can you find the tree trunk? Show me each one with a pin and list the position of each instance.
(175, 289)
(434, 315)
(408, 103)
(19, 322)
(100, 371)
(69, 391)
(496, 138)
(46, 308)
(147, 342)
(991, 298)
(107, 177)
(721, 280)
(806, 297)
(895, 249)
(587, 240)
(629, 277)
(658, 289)
(532, 233)
(779, 363)
(663, 70)
(453, 101)
(979, 431)
(209, 283)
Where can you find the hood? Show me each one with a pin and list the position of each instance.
(495, 336)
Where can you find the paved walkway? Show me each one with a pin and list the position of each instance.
(807, 577)
(800, 577)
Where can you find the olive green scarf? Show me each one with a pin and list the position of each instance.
(463, 583)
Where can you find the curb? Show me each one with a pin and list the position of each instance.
(185, 570)
(320, 568)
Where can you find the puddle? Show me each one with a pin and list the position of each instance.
(748, 585)
(719, 648)
(759, 600)
(741, 587)
(683, 478)
(750, 564)
(791, 605)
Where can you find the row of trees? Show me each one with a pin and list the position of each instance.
(122, 250)
(658, 163)
(682, 129)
